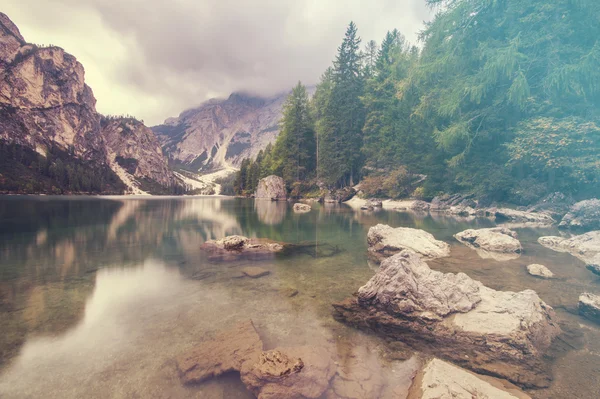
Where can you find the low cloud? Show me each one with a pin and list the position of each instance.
(155, 58)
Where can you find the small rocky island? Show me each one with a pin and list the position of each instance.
(385, 241)
(237, 247)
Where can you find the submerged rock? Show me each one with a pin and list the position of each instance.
(594, 267)
(385, 241)
(499, 333)
(301, 208)
(583, 215)
(589, 306)
(440, 379)
(498, 243)
(255, 272)
(271, 187)
(359, 376)
(513, 215)
(296, 373)
(585, 246)
(237, 247)
(539, 271)
(229, 351)
(289, 292)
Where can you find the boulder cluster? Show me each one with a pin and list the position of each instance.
(503, 334)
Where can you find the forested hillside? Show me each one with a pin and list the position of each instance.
(500, 99)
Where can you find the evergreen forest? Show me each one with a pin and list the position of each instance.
(499, 99)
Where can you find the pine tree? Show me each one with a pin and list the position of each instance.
(370, 58)
(340, 127)
(294, 150)
(487, 66)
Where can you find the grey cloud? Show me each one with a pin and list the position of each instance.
(184, 51)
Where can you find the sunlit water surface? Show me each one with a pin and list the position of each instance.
(98, 296)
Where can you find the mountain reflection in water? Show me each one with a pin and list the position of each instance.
(98, 296)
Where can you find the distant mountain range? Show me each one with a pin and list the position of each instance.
(48, 113)
(221, 132)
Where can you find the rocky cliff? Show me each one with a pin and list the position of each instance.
(134, 149)
(44, 100)
(45, 106)
(220, 133)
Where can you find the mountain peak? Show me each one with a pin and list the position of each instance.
(246, 98)
(10, 28)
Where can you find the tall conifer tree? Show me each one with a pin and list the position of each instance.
(340, 128)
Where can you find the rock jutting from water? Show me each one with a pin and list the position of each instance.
(237, 247)
(272, 188)
(385, 241)
(439, 379)
(497, 243)
(586, 246)
(301, 208)
(503, 334)
(516, 216)
(584, 215)
(539, 271)
(589, 306)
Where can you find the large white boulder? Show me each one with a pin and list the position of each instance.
(585, 246)
(455, 317)
(583, 215)
(385, 241)
(497, 243)
(272, 188)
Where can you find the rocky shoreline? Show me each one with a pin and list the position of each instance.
(554, 210)
(466, 336)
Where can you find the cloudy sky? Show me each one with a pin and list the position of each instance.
(155, 58)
